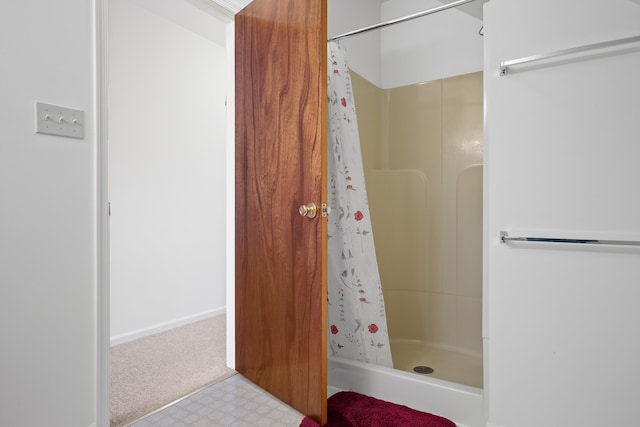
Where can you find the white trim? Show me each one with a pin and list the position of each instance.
(231, 216)
(213, 8)
(233, 6)
(230, 201)
(165, 326)
(102, 398)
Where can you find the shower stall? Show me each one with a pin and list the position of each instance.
(422, 154)
(422, 157)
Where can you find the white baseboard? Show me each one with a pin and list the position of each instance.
(140, 333)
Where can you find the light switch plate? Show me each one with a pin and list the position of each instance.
(60, 121)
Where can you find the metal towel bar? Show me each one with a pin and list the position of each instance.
(505, 238)
(504, 65)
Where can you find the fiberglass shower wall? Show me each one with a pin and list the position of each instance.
(422, 153)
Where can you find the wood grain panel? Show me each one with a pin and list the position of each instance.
(280, 158)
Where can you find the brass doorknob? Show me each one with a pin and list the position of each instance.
(310, 210)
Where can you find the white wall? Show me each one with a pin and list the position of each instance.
(561, 161)
(432, 47)
(47, 218)
(436, 46)
(363, 50)
(167, 136)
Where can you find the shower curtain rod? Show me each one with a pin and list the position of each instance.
(399, 20)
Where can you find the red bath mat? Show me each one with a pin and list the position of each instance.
(350, 409)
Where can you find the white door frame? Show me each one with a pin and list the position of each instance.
(102, 295)
(102, 405)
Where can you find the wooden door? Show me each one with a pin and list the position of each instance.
(280, 165)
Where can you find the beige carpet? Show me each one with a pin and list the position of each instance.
(148, 373)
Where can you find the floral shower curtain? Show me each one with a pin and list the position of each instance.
(356, 313)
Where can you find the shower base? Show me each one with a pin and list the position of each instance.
(448, 365)
(462, 404)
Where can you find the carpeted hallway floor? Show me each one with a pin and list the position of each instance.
(151, 372)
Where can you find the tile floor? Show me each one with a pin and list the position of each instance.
(234, 402)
